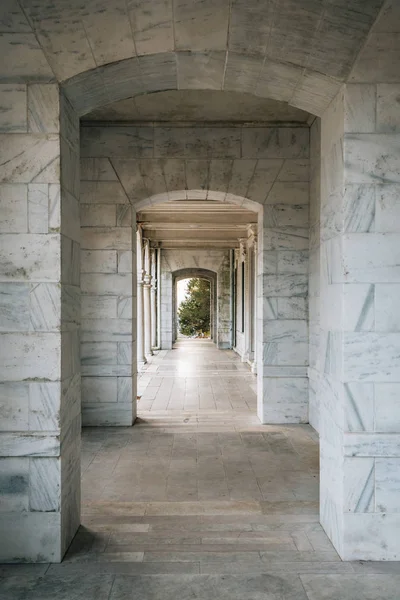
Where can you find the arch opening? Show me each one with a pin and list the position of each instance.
(186, 275)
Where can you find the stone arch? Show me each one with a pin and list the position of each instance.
(212, 278)
(213, 265)
(215, 195)
(307, 90)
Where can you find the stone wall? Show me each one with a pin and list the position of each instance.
(265, 169)
(39, 323)
(371, 339)
(282, 290)
(358, 374)
(314, 274)
(108, 280)
(329, 365)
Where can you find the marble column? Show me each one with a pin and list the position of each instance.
(141, 358)
(243, 300)
(147, 299)
(253, 299)
(153, 293)
(39, 324)
(158, 252)
(147, 315)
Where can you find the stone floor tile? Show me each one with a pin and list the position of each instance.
(203, 503)
(195, 587)
(352, 587)
(61, 587)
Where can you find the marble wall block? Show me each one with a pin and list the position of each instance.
(29, 158)
(99, 261)
(44, 484)
(358, 406)
(14, 406)
(40, 263)
(363, 532)
(133, 142)
(43, 108)
(14, 474)
(108, 273)
(153, 28)
(386, 407)
(99, 389)
(102, 192)
(387, 482)
(359, 485)
(387, 296)
(387, 208)
(360, 108)
(199, 71)
(286, 399)
(106, 238)
(14, 208)
(363, 158)
(371, 258)
(99, 215)
(387, 113)
(35, 536)
(275, 143)
(13, 108)
(30, 356)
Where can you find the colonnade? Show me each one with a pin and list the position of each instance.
(148, 298)
(234, 286)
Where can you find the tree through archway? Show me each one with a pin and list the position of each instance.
(194, 312)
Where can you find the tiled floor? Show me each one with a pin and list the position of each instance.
(200, 504)
(196, 376)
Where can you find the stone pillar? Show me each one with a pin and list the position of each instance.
(243, 329)
(147, 315)
(223, 321)
(158, 251)
(359, 383)
(153, 293)
(282, 286)
(166, 305)
(108, 353)
(141, 358)
(254, 304)
(39, 324)
(147, 299)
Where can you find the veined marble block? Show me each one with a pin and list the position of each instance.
(14, 208)
(40, 263)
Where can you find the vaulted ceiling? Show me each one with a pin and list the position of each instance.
(295, 51)
(199, 105)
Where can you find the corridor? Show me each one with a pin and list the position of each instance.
(200, 501)
(196, 376)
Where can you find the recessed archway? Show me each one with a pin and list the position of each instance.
(104, 73)
(190, 273)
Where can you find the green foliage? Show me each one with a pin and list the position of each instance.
(194, 311)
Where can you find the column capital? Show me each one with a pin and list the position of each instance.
(242, 249)
(147, 280)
